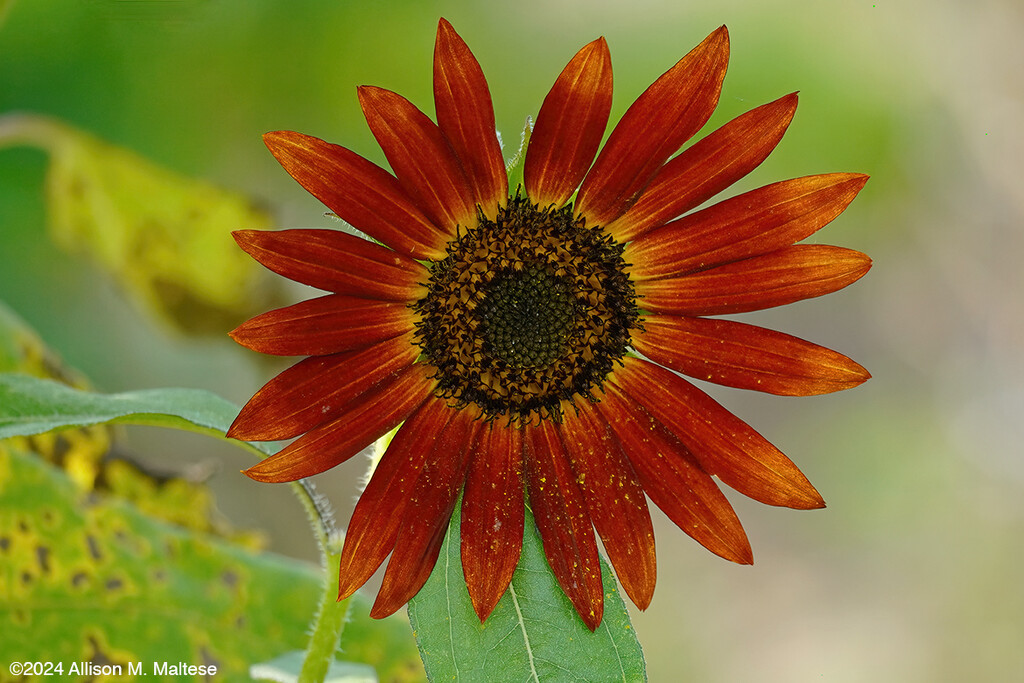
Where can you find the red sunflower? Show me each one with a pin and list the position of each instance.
(501, 329)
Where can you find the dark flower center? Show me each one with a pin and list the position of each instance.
(526, 311)
(527, 316)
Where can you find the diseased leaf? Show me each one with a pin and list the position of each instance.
(107, 584)
(164, 236)
(534, 634)
(140, 585)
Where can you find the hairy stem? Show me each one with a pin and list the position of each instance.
(327, 628)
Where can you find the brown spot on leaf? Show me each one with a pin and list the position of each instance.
(209, 660)
(61, 446)
(94, 547)
(99, 658)
(229, 578)
(43, 556)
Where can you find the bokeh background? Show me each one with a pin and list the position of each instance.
(913, 571)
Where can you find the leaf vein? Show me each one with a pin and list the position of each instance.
(522, 626)
(448, 598)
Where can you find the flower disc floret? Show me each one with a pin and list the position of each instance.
(526, 311)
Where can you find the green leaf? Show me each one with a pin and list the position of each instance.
(534, 634)
(29, 405)
(164, 236)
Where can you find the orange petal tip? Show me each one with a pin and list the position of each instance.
(238, 432)
(273, 138)
(815, 502)
(259, 473)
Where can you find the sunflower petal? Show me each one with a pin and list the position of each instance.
(371, 533)
(746, 356)
(569, 126)
(358, 191)
(337, 262)
(751, 224)
(325, 325)
(318, 389)
(781, 277)
(427, 513)
(492, 516)
(723, 444)
(466, 117)
(565, 527)
(614, 500)
(378, 411)
(708, 167)
(421, 158)
(665, 116)
(675, 482)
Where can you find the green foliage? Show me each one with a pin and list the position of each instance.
(79, 452)
(165, 237)
(534, 634)
(83, 453)
(30, 406)
(144, 590)
(104, 583)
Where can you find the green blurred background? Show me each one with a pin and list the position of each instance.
(912, 573)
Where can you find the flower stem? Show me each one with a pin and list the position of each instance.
(330, 618)
(330, 621)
